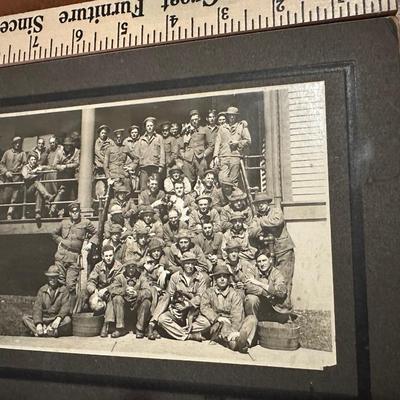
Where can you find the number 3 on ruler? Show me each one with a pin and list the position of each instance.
(224, 12)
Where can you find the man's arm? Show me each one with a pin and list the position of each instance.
(65, 305)
(237, 311)
(37, 314)
(56, 235)
(206, 308)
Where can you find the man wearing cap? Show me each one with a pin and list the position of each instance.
(132, 140)
(270, 222)
(115, 232)
(222, 305)
(66, 163)
(209, 241)
(31, 173)
(183, 244)
(170, 145)
(147, 220)
(115, 218)
(136, 245)
(51, 308)
(221, 118)
(231, 142)
(173, 227)
(70, 235)
(10, 169)
(122, 199)
(207, 185)
(237, 203)
(266, 292)
(240, 269)
(177, 311)
(204, 211)
(102, 143)
(238, 232)
(193, 148)
(106, 281)
(175, 174)
(116, 168)
(151, 152)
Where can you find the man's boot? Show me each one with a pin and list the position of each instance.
(241, 342)
(104, 330)
(151, 335)
(196, 336)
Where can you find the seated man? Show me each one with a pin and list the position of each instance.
(172, 227)
(147, 220)
(237, 203)
(115, 240)
(206, 186)
(135, 246)
(204, 211)
(266, 292)
(122, 199)
(106, 282)
(115, 218)
(176, 175)
(51, 309)
(153, 195)
(177, 312)
(181, 201)
(223, 307)
(209, 242)
(238, 232)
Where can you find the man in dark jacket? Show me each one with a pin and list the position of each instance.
(51, 309)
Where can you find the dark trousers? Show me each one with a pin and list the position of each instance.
(263, 310)
(285, 264)
(39, 192)
(194, 169)
(115, 311)
(64, 329)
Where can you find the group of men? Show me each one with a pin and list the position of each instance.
(187, 259)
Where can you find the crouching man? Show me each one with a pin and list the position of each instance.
(50, 311)
(266, 292)
(106, 282)
(177, 312)
(222, 305)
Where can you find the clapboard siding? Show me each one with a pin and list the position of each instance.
(308, 166)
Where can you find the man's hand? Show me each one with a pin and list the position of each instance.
(233, 336)
(223, 320)
(110, 181)
(39, 330)
(160, 169)
(162, 278)
(9, 174)
(87, 247)
(103, 292)
(130, 291)
(216, 162)
(182, 307)
(239, 285)
(56, 323)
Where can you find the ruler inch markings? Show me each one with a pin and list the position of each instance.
(155, 25)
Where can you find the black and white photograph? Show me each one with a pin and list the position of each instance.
(193, 227)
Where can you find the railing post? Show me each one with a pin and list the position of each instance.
(24, 202)
(85, 182)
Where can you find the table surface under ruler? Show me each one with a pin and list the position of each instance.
(105, 25)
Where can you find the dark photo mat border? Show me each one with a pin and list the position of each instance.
(345, 72)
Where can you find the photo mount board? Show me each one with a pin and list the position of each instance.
(354, 112)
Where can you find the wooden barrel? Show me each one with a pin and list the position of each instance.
(86, 324)
(274, 335)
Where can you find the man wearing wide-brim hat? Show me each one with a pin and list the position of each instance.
(151, 153)
(238, 232)
(222, 305)
(66, 162)
(51, 308)
(193, 148)
(270, 223)
(10, 169)
(204, 211)
(176, 312)
(231, 143)
(175, 174)
(184, 243)
(148, 220)
(123, 198)
(237, 203)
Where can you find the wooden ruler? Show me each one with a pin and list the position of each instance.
(100, 26)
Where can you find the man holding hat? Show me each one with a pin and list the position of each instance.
(106, 281)
(66, 163)
(177, 311)
(115, 161)
(193, 148)
(204, 211)
(151, 153)
(102, 143)
(222, 305)
(10, 168)
(231, 142)
(51, 309)
(31, 172)
(270, 222)
(70, 235)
